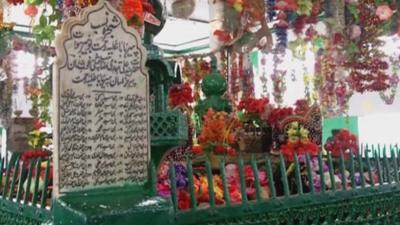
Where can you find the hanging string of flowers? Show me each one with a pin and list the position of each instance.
(278, 77)
(394, 81)
(367, 65)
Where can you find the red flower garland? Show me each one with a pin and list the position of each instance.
(180, 95)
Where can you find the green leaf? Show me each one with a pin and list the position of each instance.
(37, 2)
(387, 26)
(240, 115)
(43, 21)
(354, 12)
(53, 3)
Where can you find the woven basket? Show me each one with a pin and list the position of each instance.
(255, 139)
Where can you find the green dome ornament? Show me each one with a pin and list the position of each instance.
(214, 87)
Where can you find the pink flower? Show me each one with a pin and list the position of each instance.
(355, 31)
(232, 170)
(384, 12)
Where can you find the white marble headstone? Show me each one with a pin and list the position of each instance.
(102, 102)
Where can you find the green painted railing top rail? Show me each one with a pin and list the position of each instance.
(369, 186)
(25, 190)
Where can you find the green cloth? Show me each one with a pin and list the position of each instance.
(350, 123)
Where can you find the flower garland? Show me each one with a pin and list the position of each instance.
(394, 82)
(246, 75)
(278, 79)
(263, 77)
(193, 72)
(234, 82)
(270, 4)
(367, 66)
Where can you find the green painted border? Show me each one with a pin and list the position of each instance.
(350, 123)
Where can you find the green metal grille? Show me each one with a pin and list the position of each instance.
(168, 128)
(17, 205)
(355, 202)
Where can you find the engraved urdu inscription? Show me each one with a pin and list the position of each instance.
(103, 103)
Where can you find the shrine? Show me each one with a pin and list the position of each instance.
(192, 112)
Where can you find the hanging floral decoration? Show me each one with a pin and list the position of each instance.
(193, 72)
(394, 82)
(366, 60)
(263, 77)
(278, 78)
(234, 78)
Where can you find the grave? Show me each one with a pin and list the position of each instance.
(102, 131)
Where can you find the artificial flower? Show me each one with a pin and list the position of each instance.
(342, 141)
(254, 110)
(302, 107)
(183, 199)
(180, 95)
(37, 123)
(355, 31)
(384, 12)
(277, 115)
(304, 7)
(31, 10)
(218, 131)
(253, 105)
(148, 7)
(15, 2)
(33, 154)
(133, 12)
(300, 148)
(197, 149)
(223, 36)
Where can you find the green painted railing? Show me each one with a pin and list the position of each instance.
(25, 195)
(370, 199)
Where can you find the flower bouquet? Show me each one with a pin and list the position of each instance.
(217, 135)
(342, 141)
(298, 143)
(256, 135)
